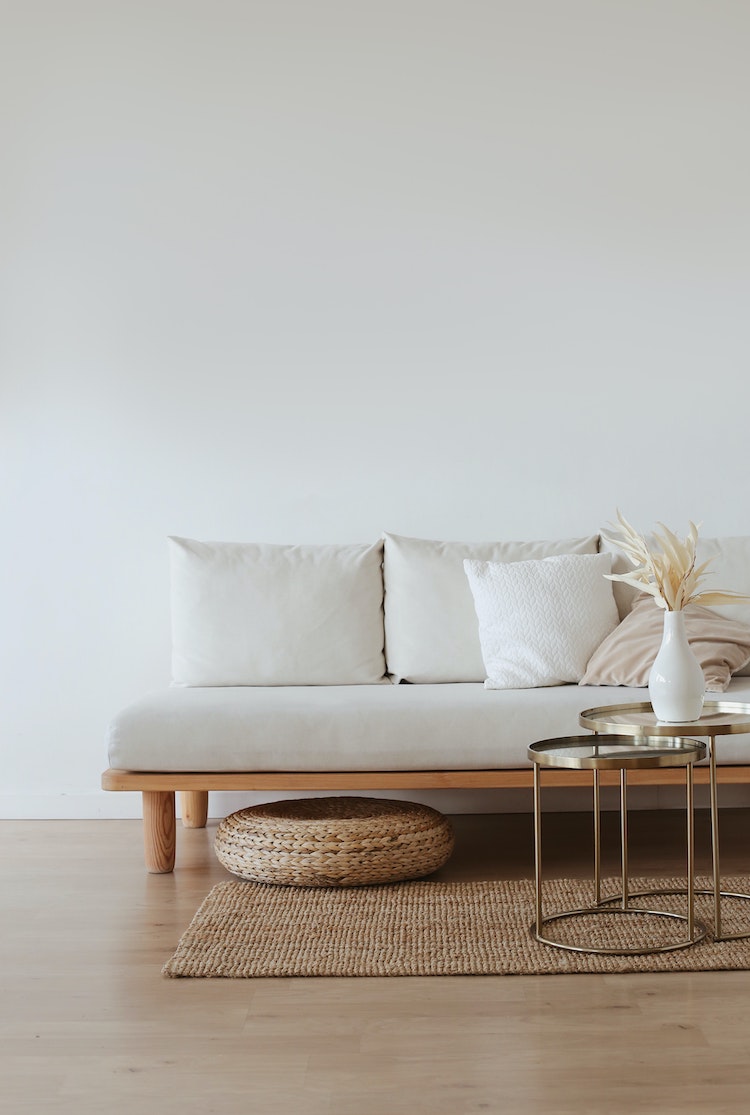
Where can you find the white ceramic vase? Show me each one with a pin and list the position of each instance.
(676, 684)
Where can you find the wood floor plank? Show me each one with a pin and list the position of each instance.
(88, 1024)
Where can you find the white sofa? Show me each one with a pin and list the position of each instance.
(363, 668)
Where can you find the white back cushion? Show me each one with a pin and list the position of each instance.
(431, 629)
(263, 614)
(540, 621)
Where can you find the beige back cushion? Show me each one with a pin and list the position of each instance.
(730, 570)
(625, 657)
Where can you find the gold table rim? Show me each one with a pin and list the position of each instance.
(679, 751)
(601, 718)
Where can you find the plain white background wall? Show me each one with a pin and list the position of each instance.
(307, 270)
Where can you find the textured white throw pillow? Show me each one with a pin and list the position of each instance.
(540, 621)
(430, 623)
(262, 614)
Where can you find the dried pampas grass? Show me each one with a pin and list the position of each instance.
(666, 571)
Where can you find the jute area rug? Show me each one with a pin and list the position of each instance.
(425, 928)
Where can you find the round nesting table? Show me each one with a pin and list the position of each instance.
(718, 718)
(623, 753)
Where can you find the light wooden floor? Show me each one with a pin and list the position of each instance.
(89, 1025)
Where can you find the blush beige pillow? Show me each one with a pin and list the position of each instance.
(721, 645)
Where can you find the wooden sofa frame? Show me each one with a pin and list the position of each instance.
(159, 789)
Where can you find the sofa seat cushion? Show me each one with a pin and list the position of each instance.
(360, 727)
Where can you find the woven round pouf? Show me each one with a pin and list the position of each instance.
(334, 842)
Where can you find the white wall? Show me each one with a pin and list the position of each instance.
(305, 270)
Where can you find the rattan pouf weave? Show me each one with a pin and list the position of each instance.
(334, 842)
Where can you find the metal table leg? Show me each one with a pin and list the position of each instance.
(696, 931)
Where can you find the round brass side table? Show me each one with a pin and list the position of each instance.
(623, 753)
(718, 718)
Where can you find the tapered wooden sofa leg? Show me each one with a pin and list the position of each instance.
(194, 808)
(159, 834)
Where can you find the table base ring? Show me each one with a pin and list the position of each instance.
(708, 892)
(699, 931)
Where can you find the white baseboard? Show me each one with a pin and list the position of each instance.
(69, 807)
(108, 805)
